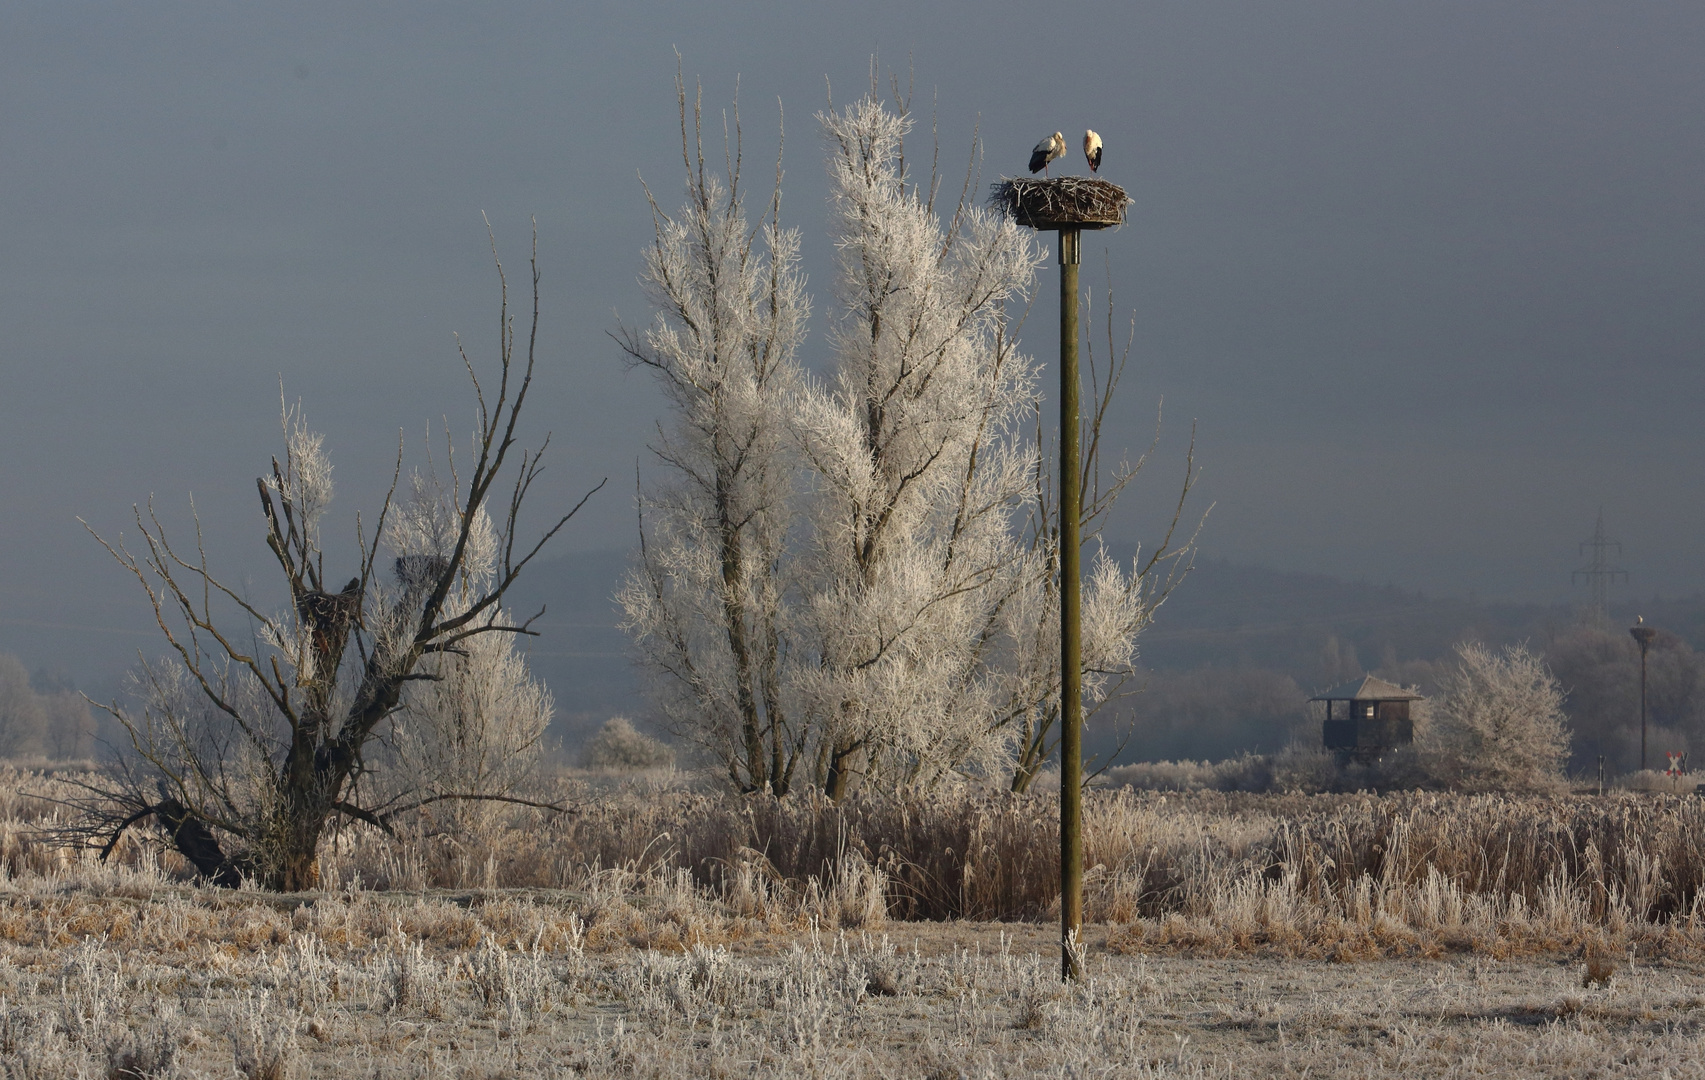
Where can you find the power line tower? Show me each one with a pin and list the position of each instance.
(1599, 572)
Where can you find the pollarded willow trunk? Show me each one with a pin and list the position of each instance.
(248, 738)
(294, 863)
(309, 788)
(283, 848)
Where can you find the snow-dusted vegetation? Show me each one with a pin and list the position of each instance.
(335, 843)
(650, 935)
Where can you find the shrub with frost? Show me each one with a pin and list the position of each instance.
(1497, 723)
(620, 747)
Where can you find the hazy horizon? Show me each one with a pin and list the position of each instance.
(1427, 277)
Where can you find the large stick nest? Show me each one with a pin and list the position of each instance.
(1069, 202)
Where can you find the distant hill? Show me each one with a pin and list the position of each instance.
(1229, 615)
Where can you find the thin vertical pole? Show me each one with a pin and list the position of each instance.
(1644, 635)
(1071, 668)
(1642, 705)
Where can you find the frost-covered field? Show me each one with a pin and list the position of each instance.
(658, 931)
(116, 976)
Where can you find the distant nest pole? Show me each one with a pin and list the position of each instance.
(1068, 205)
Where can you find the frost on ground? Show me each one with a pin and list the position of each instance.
(670, 933)
(126, 977)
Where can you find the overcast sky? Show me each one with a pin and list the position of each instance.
(1428, 276)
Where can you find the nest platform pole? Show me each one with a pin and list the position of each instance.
(1068, 205)
(1071, 666)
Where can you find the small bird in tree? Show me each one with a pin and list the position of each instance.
(1091, 150)
(1050, 149)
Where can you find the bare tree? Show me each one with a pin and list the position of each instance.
(247, 747)
(1118, 602)
(708, 600)
(1498, 722)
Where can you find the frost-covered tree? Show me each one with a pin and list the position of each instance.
(855, 574)
(471, 730)
(919, 465)
(708, 600)
(247, 746)
(23, 720)
(620, 747)
(49, 719)
(1497, 723)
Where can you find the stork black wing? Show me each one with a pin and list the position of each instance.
(1039, 158)
(1094, 161)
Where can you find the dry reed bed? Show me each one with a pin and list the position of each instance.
(1334, 875)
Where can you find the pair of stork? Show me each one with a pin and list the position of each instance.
(1054, 147)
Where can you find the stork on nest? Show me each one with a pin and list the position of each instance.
(1067, 202)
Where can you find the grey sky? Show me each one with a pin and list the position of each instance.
(1429, 275)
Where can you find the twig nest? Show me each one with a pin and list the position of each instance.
(1069, 202)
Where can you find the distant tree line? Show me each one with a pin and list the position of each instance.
(1218, 713)
(1599, 666)
(42, 716)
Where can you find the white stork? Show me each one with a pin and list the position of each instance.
(1092, 150)
(1050, 149)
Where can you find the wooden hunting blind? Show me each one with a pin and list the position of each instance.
(1366, 717)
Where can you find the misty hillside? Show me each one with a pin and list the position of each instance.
(1228, 615)
(1230, 656)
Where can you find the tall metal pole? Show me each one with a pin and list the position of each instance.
(1071, 668)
